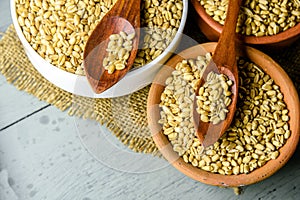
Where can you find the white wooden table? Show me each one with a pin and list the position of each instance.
(42, 156)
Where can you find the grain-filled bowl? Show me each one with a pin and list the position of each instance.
(262, 137)
(54, 33)
(260, 22)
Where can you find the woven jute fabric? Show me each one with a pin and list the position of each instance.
(124, 116)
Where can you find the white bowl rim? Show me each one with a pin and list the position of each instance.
(78, 85)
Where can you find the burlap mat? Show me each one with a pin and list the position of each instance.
(124, 116)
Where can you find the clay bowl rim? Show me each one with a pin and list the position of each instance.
(290, 97)
(280, 37)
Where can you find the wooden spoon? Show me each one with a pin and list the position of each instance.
(223, 62)
(123, 16)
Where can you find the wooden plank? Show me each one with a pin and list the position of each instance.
(15, 104)
(46, 159)
(5, 19)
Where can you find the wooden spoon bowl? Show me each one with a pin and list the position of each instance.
(208, 133)
(290, 97)
(123, 16)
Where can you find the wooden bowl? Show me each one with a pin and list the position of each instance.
(290, 97)
(212, 29)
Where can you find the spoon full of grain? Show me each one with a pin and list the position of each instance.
(210, 128)
(123, 17)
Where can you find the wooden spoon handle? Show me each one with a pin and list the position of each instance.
(126, 9)
(225, 51)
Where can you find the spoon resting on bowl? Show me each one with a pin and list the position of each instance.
(124, 17)
(223, 62)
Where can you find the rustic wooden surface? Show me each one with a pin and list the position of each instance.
(43, 157)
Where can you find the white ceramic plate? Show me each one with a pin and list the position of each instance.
(133, 81)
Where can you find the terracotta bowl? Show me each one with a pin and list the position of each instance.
(212, 29)
(290, 97)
